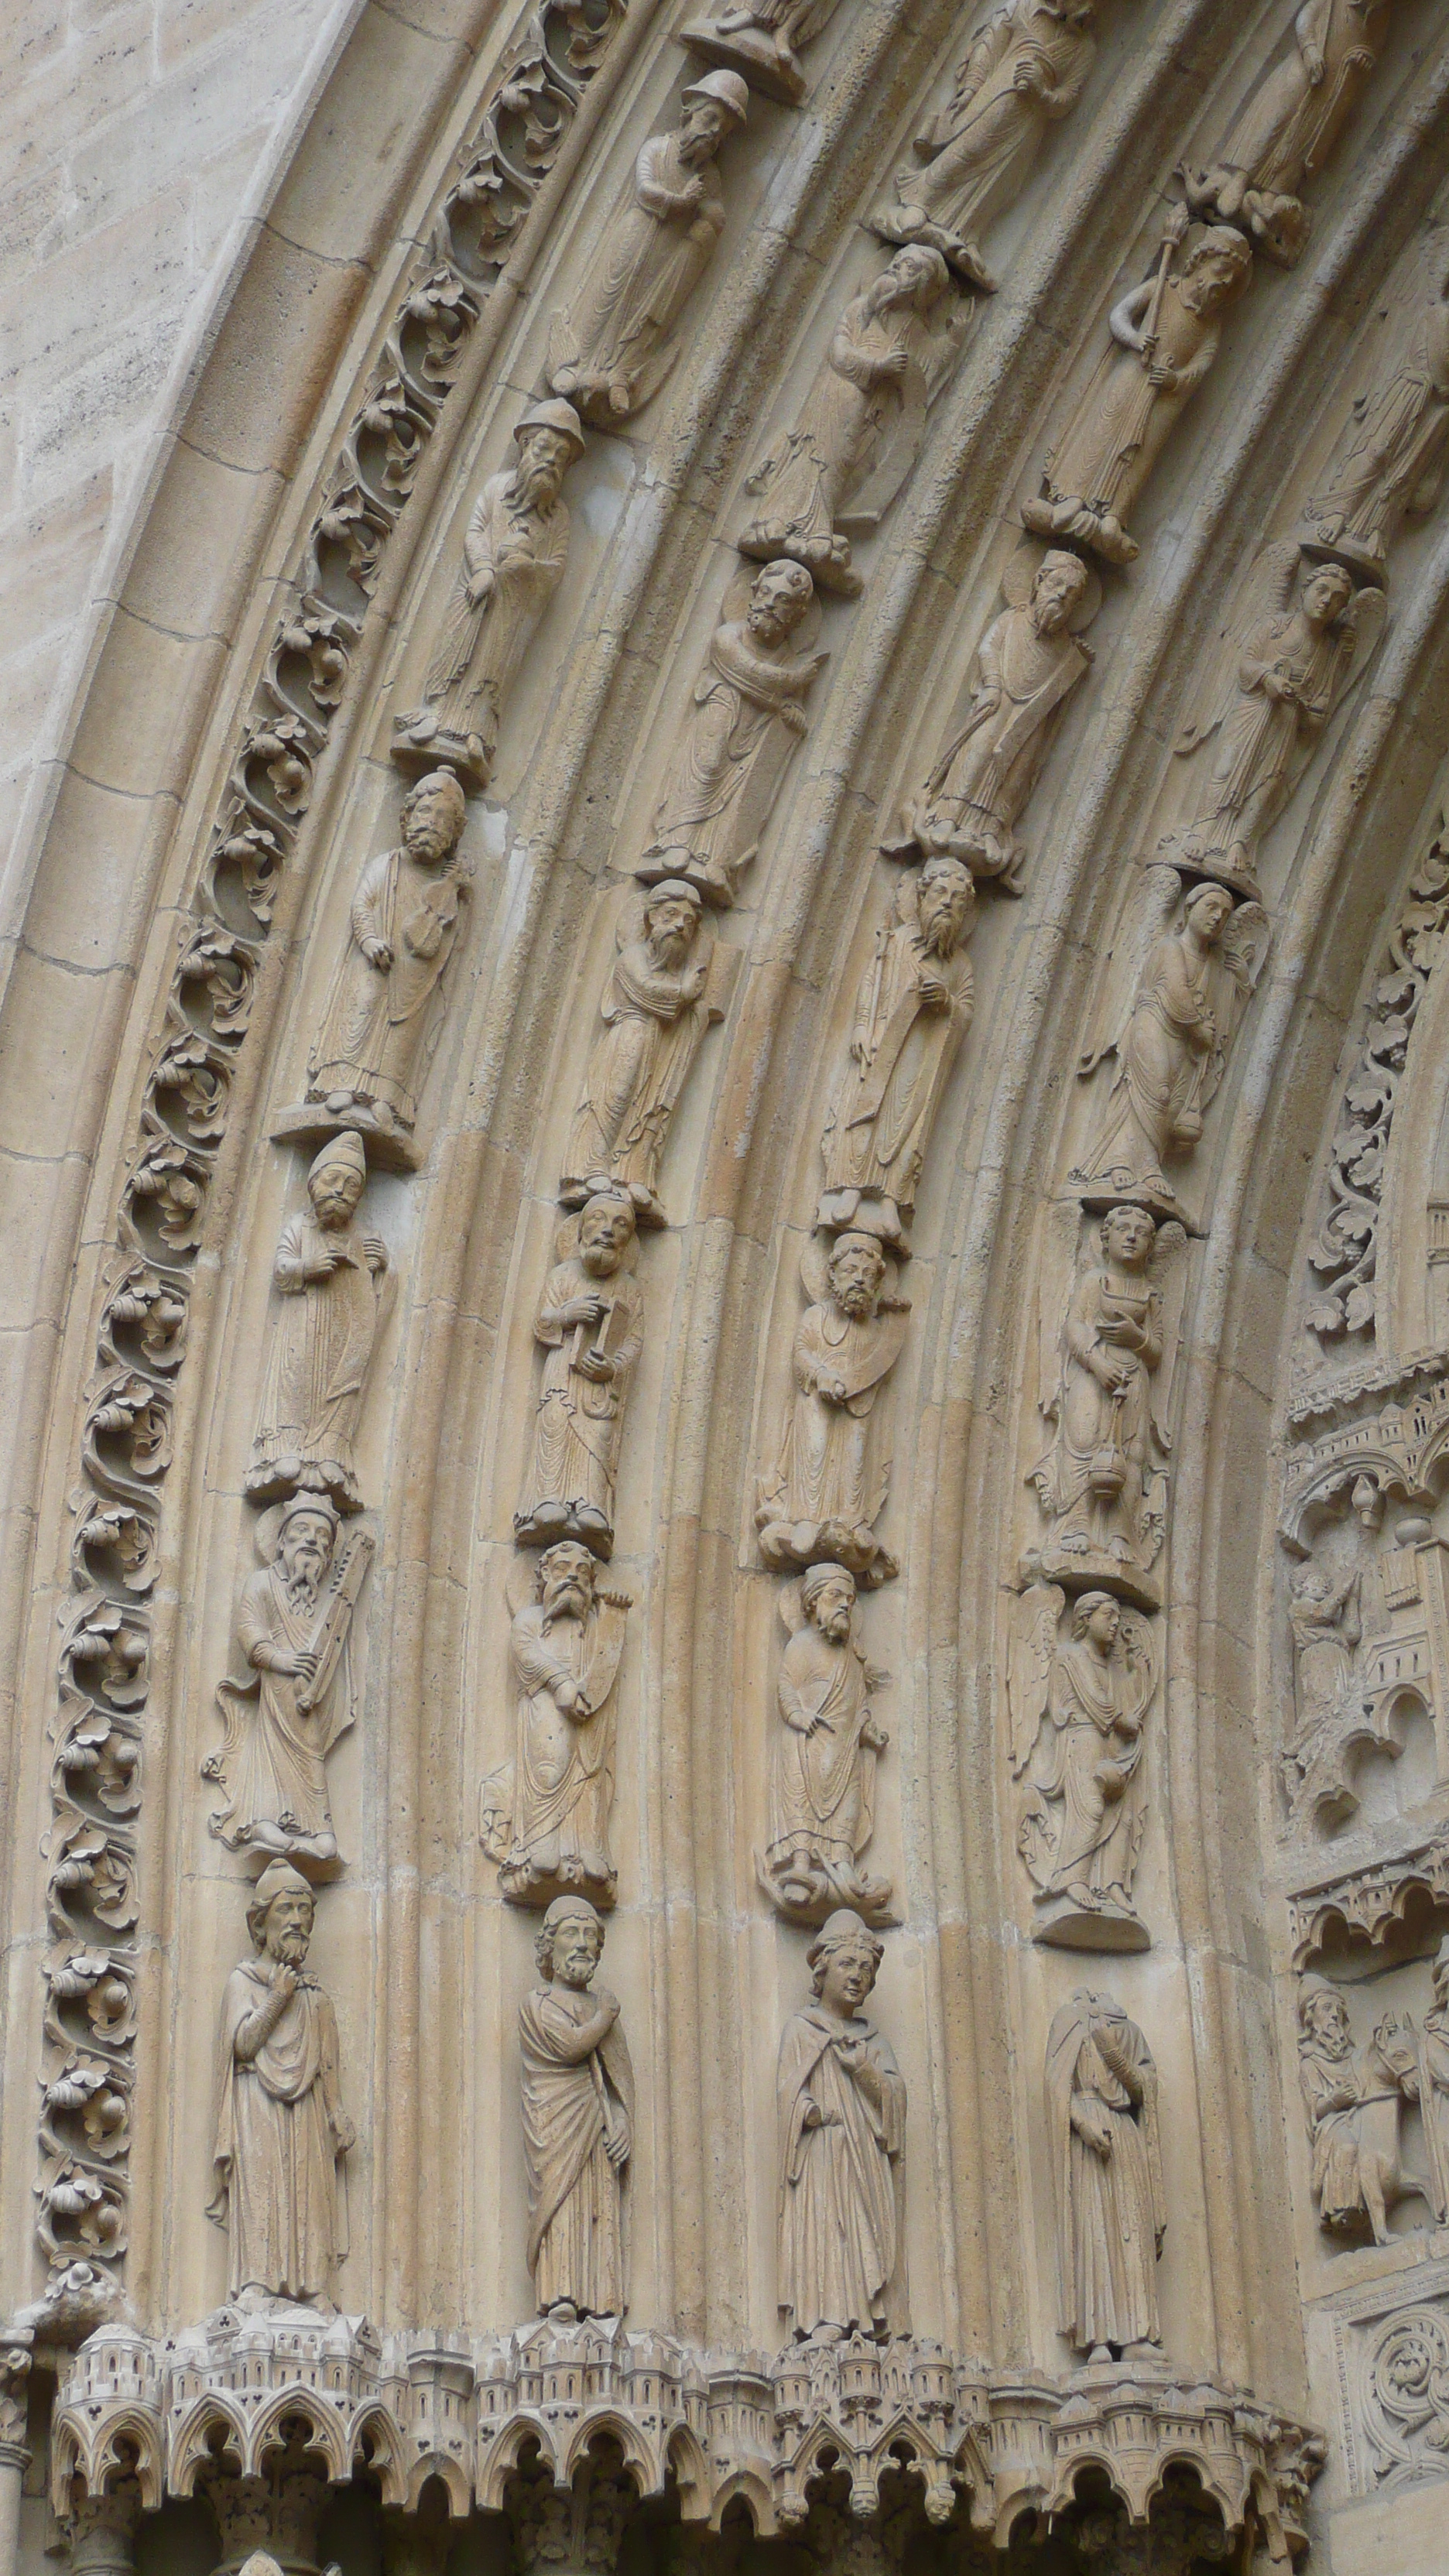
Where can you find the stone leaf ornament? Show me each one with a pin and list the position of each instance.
(822, 1805)
(1079, 1684)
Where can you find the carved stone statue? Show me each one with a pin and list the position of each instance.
(870, 393)
(842, 2109)
(1077, 1714)
(1431, 2083)
(514, 553)
(565, 1645)
(1165, 336)
(1290, 125)
(825, 1494)
(328, 1270)
(1101, 2089)
(1024, 69)
(1327, 1627)
(761, 39)
(611, 350)
(1291, 666)
(655, 1010)
(1027, 664)
(367, 1063)
(912, 1011)
(747, 716)
(578, 2122)
(1196, 982)
(1101, 1483)
(1354, 2100)
(590, 1321)
(281, 2131)
(823, 1803)
(1389, 464)
(282, 1722)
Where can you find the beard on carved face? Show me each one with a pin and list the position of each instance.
(566, 1596)
(537, 480)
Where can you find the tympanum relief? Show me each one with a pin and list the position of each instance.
(847, 454)
(822, 1807)
(828, 1487)
(668, 982)
(367, 1064)
(545, 1821)
(1079, 1685)
(1023, 72)
(1354, 2098)
(612, 349)
(590, 1323)
(329, 1271)
(515, 549)
(1102, 2116)
(578, 2121)
(281, 2131)
(747, 715)
(842, 2115)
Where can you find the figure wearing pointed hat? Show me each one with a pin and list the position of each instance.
(611, 350)
(578, 2121)
(328, 1271)
(281, 2131)
(514, 553)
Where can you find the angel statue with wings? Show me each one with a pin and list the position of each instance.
(1077, 1712)
(1194, 985)
(1294, 657)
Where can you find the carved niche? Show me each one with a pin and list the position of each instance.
(612, 349)
(842, 2123)
(578, 2121)
(822, 1805)
(1079, 1684)
(545, 1818)
(328, 1271)
(827, 1489)
(1023, 72)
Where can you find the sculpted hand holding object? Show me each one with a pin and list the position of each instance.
(842, 2112)
(1290, 126)
(1077, 1713)
(912, 1011)
(282, 1723)
(761, 41)
(611, 350)
(1165, 335)
(1101, 2087)
(655, 1010)
(872, 389)
(366, 1064)
(514, 554)
(590, 1321)
(823, 1804)
(1390, 461)
(1101, 1483)
(578, 2122)
(565, 1647)
(1023, 71)
(746, 718)
(281, 2131)
(825, 1494)
(328, 1271)
(1027, 664)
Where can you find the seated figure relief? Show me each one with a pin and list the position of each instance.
(366, 1066)
(822, 1807)
(761, 40)
(747, 715)
(1101, 2099)
(824, 1495)
(590, 1322)
(864, 411)
(1023, 72)
(1027, 664)
(1078, 1708)
(611, 351)
(514, 553)
(842, 2122)
(1389, 463)
(329, 1271)
(546, 1823)
(1290, 125)
(912, 1010)
(1165, 338)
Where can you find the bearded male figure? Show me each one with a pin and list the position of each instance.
(565, 1648)
(281, 2131)
(747, 715)
(578, 2122)
(514, 553)
(823, 1804)
(654, 1014)
(1354, 2101)
(292, 1627)
(590, 1321)
(327, 1270)
(830, 1484)
(1027, 664)
(911, 1013)
(842, 2127)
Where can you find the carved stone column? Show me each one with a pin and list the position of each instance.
(103, 2531)
(14, 2457)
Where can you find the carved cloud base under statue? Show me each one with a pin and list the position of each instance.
(1094, 1570)
(1075, 1919)
(390, 1148)
(903, 224)
(772, 69)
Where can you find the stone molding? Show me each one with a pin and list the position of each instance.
(708, 2426)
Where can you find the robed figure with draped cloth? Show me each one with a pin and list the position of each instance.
(842, 2116)
(1101, 2087)
(404, 925)
(578, 2121)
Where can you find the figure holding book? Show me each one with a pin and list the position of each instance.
(590, 1321)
